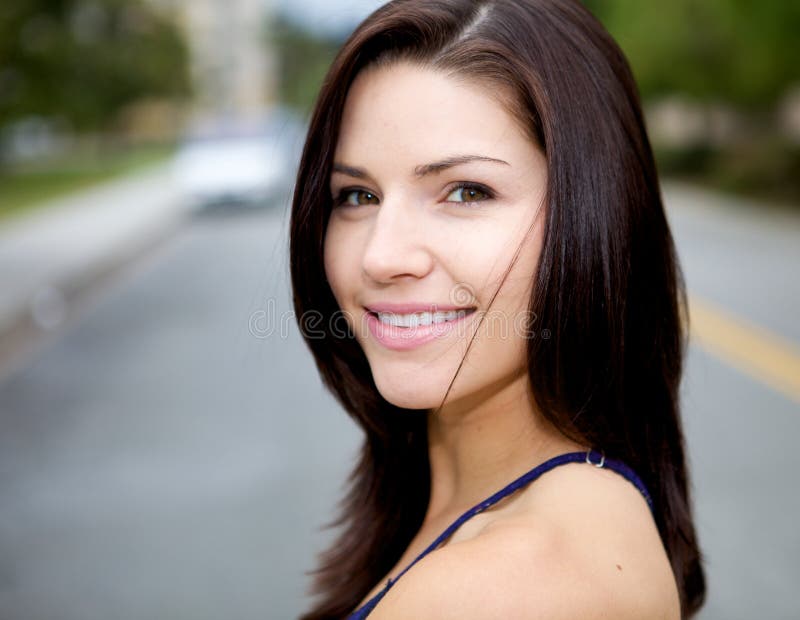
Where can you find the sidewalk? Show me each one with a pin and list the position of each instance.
(56, 252)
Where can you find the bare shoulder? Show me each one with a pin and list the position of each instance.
(579, 543)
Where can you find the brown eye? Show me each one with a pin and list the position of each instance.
(468, 193)
(356, 197)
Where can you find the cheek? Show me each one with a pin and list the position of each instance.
(333, 262)
(485, 261)
(342, 261)
(521, 278)
(508, 322)
(521, 288)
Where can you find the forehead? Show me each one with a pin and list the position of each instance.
(409, 114)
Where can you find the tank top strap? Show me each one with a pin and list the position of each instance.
(598, 459)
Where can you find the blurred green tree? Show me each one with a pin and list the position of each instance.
(303, 60)
(741, 54)
(744, 52)
(82, 61)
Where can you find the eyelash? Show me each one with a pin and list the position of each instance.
(339, 200)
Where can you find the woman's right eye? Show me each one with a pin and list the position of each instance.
(355, 198)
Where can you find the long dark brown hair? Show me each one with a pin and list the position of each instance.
(608, 287)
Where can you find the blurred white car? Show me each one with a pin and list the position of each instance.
(226, 164)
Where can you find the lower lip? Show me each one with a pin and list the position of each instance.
(406, 338)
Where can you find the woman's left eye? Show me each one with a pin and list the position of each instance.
(469, 192)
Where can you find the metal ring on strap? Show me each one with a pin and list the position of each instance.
(599, 464)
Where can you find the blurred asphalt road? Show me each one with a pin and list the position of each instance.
(741, 398)
(72, 241)
(162, 460)
(164, 456)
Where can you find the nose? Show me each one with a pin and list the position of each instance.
(396, 246)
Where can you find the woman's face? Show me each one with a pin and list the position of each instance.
(435, 186)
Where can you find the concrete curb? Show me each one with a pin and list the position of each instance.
(54, 257)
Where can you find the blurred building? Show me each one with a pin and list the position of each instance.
(232, 68)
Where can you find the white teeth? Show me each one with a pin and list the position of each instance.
(420, 318)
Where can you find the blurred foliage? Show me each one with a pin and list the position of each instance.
(83, 61)
(767, 169)
(742, 51)
(303, 60)
(739, 53)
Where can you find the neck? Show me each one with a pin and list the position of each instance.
(479, 444)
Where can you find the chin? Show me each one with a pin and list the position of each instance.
(412, 393)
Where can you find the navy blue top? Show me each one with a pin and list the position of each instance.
(593, 457)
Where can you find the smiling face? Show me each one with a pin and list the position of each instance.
(435, 186)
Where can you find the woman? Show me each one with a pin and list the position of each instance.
(484, 274)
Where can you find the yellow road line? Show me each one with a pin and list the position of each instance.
(748, 347)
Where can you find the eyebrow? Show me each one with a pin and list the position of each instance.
(421, 170)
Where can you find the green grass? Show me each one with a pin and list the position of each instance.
(32, 186)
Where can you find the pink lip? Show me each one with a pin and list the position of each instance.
(406, 338)
(412, 307)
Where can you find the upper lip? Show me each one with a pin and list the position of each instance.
(413, 307)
